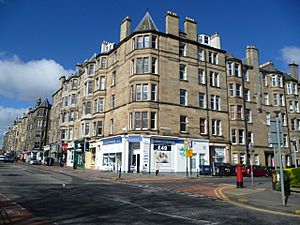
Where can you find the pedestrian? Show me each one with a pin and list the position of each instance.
(157, 169)
(287, 187)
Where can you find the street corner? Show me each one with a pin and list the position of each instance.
(13, 213)
(242, 191)
(221, 191)
(237, 195)
(243, 197)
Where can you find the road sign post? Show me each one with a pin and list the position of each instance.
(276, 139)
(294, 141)
(280, 160)
(186, 144)
(251, 162)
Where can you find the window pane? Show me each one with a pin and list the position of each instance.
(145, 92)
(138, 94)
(182, 97)
(137, 120)
(146, 65)
(146, 41)
(153, 92)
(140, 42)
(154, 40)
(182, 123)
(144, 120)
(139, 65)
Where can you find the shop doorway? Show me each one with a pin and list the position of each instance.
(134, 157)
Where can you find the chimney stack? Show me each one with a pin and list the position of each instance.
(125, 28)
(190, 28)
(294, 70)
(252, 56)
(172, 26)
(215, 41)
(62, 79)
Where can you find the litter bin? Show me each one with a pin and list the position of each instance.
(61, 163)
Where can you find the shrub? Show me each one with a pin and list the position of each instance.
(294, 176)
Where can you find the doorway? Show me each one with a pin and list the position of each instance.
(134, 159)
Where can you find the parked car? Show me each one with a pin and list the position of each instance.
(34, 162)
(205, 170)
(9, 158)
(2, 158)
(224, 169)
(258, 171)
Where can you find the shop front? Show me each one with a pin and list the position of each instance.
(90, 156)
(146, 154)
(68, 155)
(111, 154)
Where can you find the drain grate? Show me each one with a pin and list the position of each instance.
(12, 175)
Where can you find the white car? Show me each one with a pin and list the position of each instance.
(2, 158)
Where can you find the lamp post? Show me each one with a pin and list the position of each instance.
(294, 141)
(251, 150)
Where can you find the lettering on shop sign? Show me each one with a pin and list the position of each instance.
(162, 147)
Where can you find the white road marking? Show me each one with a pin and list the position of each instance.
(160, 213)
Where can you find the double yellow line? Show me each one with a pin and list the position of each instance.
(219, 192)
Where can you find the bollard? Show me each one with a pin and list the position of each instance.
(239, 176)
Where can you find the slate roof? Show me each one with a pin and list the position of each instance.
(45, 103)
(146, 23)
(270, 67)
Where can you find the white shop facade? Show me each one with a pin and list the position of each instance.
(148, 153)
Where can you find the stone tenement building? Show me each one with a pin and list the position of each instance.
(29, 134)
(140, 102)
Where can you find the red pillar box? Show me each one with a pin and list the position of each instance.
(239, 176)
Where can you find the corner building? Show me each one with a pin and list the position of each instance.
(138, 103)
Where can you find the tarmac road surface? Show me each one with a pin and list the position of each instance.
(30, 195)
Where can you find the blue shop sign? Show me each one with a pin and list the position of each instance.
(134, 139)
(112, 141)
(165, 141)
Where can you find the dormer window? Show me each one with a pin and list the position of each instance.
(274, 81)
(236, 70)
(103, 62)
(91, 70)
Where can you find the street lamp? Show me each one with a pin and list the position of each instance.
(251, 150)
(294, 141)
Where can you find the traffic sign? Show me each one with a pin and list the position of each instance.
(189, 153)
(272, 136)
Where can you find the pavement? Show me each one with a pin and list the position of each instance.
(261, 197)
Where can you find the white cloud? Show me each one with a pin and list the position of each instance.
(29, 80)
(290, 53)
(7, 116)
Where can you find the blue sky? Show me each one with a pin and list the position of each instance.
(41, 40)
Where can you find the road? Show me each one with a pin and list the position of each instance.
(57, 198)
